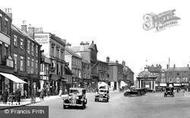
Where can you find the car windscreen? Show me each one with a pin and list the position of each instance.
(73, 91)
(102, 91)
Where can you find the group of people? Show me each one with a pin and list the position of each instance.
(11, 97)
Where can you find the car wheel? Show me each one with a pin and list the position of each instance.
(83, 106)
(107, 99)
(64, 106)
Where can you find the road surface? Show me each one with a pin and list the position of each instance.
(152, 105)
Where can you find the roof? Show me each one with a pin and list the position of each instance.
(13, 27)
(84, 60)
(146, 74)
(80, 48)
(71, 53)
(178, 69)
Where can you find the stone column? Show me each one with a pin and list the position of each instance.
(154, 85)
(139, 83)
(151, 85)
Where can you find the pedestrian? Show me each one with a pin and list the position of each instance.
(25, 94)
(5, 96)
(42, 94)
(18, 96)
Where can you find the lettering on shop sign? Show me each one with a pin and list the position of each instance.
(160, 21)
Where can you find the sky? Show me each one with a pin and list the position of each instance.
(114, 25)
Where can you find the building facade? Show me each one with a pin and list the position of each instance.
(54, 49)
(6, 59)
(89, 52)
(180, 76)
(26, 54)
(128, 75)
(86, 74)
(103, 74)
(115, 74)
(75, 64)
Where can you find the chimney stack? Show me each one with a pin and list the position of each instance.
(188, 65)
(174, 65)
(123, 63)
(116, 62)
(68, 45)
(107, 59)
(24, 26)
(8, 11)
(82, 43)
(167, 66)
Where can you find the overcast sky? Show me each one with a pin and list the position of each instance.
(114, 25)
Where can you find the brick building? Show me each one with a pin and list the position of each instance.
(75, 64)
(6, 59)
(26, 53)
(54, 50)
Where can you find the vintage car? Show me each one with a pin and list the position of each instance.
(102, 95)
(76, 97)
(169, 91)
(135, 92)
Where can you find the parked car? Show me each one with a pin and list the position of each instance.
(135, 92)
(76, 97)
(102, 95)
(169, 91)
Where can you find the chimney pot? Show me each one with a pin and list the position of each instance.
(107, 59)
(24, 26)
(167, 66)
(123, 63)
(174, 65)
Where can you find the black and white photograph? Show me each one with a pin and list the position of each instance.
(94, 59)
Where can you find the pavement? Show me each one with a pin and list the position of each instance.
(25, 102)
(151, 105)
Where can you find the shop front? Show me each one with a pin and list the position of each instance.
(11, 83)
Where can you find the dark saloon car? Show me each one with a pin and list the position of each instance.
(135, 92)
(169, 91)
(76, 97)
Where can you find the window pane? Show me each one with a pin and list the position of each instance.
(15, 61)
(28, 46)
(15, 40)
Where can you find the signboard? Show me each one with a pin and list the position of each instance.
(44, 40)
(4, 39)
(25, 112)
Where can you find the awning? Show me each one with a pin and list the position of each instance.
(13, 78)
(68, 71)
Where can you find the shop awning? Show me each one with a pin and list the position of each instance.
(13, 78)
(68, 71)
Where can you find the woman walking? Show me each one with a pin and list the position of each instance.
(42, 94)
(18, 96)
